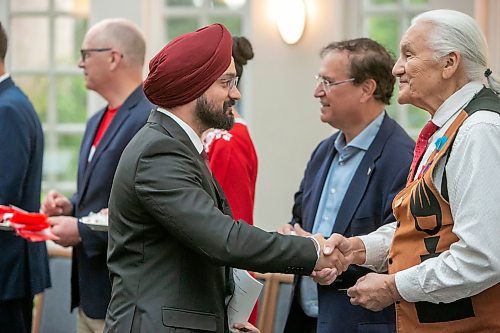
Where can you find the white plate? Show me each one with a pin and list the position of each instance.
(97, 226)
(96, 222)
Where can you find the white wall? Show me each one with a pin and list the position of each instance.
(285, 121)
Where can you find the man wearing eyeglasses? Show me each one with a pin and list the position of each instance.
(350, 180)
(172, 238)
(112, 58)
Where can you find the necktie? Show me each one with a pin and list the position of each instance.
(423, 138)
(204, 155)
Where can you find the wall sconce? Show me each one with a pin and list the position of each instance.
(291, 19)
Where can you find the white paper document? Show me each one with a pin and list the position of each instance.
(96, 221)
(246, 292)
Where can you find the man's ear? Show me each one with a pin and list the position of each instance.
(116, 58)
(368, 87)
(451, 61)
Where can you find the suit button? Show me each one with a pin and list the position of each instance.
(390, 261)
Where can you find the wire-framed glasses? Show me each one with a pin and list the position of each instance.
(327, 84)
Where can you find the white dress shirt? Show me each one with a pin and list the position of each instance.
(195, 139)
(472, 264)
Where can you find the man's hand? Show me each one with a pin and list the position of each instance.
(336, 256)
(374, 291)
(66, 228)
(56, 204)
(246, 327)
(286, 229)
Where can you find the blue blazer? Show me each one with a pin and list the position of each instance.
(90, 284)
(366, 206)
(24, 269)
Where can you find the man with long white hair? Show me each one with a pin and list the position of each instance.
(444, 262)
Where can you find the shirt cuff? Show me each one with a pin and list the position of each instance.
(376, 251)
(408, 285)
(317, 246)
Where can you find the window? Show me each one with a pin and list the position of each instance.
(44, 42)
(385, 21)
(182, 16)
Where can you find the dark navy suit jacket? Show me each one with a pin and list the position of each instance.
(24, 269)
(366, 206)
(90, 283)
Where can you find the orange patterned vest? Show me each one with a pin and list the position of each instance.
(424, 230)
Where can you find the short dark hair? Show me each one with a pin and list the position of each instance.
(3, 43)
(368, 60)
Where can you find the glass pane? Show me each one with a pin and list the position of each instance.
(36, 88)
(63, 161)
(21, 5)
(69, 37)
(71, 99)
(232, 23)
(417, 117)
(79, 8)
(179, 26)
(383, 2)
(231, 4)
(183, 3)
(29, 42)
(384, 29)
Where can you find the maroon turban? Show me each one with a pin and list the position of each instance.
(187, 66)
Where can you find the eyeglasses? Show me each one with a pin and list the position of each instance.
(84, 53)
(327, 84)
(230, 83)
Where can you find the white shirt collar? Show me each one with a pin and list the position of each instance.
(4, 77)
(456, 102)
(195, 139)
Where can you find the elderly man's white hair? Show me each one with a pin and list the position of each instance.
(456, 31)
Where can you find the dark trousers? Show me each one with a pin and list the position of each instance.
(298, 321)
(16, 315)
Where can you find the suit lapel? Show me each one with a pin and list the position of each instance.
(108, 137)
(319, 183)
(175, 131)
(88, 140)
(361, 178)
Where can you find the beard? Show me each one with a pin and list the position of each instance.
(213, 117)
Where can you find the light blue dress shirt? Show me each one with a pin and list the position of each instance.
(343, 167)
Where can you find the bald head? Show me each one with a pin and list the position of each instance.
(122, 35)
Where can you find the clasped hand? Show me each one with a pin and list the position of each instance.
(336, 254)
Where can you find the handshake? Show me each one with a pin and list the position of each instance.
(336, 253)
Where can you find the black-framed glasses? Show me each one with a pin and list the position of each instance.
(84, 53)
(327, 84)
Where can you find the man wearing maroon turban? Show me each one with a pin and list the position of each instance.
(172, 239)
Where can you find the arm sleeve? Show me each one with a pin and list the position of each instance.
(471, 265)
(14, 155)
(180, 203)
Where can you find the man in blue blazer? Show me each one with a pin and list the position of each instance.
(350, 180)
(112, 59)
(24, 269)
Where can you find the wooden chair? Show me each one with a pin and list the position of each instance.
(268, 303)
